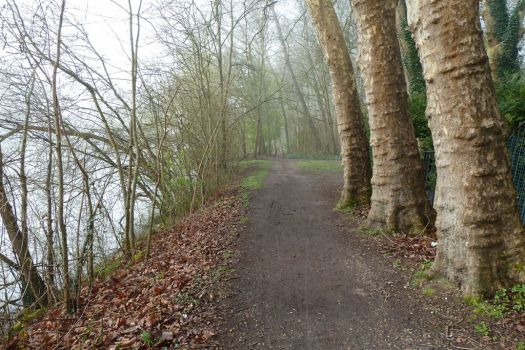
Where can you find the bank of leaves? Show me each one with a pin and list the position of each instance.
(166, 301)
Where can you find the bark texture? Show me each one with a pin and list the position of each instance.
(481, 239)
(399, 201)
(354, 144)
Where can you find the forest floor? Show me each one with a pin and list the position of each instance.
(269, 264)
(308, 278)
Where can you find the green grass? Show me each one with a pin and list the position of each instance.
(319, 165)
(428, 291)
(313, 156)
(260, 163)
(505, 301)
(483, 329)
(422, 275)
(255, 180)
(106, 268)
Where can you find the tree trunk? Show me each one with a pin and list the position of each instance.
(409, 54)
(66, 288)
(399, 201)
(503, 32)
(354, 145)
(285, 120)
(480, 236)
(30, 277)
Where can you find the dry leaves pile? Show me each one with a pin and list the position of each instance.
(166, 301)
(415, 248)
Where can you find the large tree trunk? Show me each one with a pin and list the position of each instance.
(481, 239)
(399, 201)
(354, 145)
(36, 291)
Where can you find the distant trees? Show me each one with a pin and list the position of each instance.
(96, 150)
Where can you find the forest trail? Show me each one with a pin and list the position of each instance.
(306, 282)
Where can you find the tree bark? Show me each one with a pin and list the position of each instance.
(399, 201)
(30, 277)
(354, 144)
(480, 236)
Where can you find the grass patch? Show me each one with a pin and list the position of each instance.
(106, 268)
(372, 232)
(422, 275)
(428, 291)
(255, 180)
(259, 163)
(320, 165)
(313, 156)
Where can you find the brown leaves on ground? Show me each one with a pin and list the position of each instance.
(415, 248)
(166, 301)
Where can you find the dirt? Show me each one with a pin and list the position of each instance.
(307, 279)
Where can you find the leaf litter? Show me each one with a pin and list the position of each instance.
(167, 301)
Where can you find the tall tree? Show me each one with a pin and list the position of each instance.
(398, 200)
(503, 31)
(481, 242)
(354, 144)
(409, 54)
(60, 168)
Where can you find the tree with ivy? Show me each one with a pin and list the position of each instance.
(503, 32)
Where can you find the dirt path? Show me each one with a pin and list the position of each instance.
(305, 283)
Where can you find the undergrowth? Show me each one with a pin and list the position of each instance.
(505, 301)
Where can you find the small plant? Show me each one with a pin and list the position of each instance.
(482, 328)
(186, 298)
(371, 231)
(138, 256)
(243, 220)
(485, 308)
(427, 291)
(227, 255)
(397, 263)
(505, 301)
(520, 346)
(422, 275)
(518, 297)
(147, 338)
